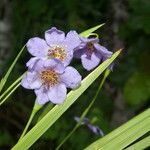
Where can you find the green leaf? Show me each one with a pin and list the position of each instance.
(3, 80)
(52, 116)
(137, 89)
(124, 135)
(85, 111)
(142, 144)
(14, 86)
(89, 31)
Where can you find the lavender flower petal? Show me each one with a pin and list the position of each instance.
(54, 64)
(103, 51)
(37, 47)
(71, 78)
(57, 94)
(90, 63)
(32, 63)
(84, 121)
(72, 40)
(54, 36)
(31, 81)
(42, 96)
(96, 130)
(69, 57)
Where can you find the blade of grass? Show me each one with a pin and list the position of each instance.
(12, 91)
(52, 116)
(11, 86)
(89, 31)
(129, 136)
(140, 145)
(84, 34)
(121, 134)
(85, 111)
(35, 109)
(4, 79)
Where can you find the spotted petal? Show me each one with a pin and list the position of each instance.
(37, 47)
(31, 64)
(68, 59)
(90, 63)
(54, 36)
(71, 78)
(31, 81)
(42, 96)
(57, 94)
(104, 52)
(72, 40)
(54, 64)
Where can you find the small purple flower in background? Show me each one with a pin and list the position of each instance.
(91, 53)
(49, 79)
(84, 121)
(95, 129)
(55, 45)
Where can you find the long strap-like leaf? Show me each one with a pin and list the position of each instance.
(124, 135)
(51, 117)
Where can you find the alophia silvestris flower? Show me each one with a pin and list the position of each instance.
(49, 79)
(91, 53)
(56, 45)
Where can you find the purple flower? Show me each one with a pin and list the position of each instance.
(95, 129)
(49, 79)
(91, 53)
(55, 45)
(84, 121)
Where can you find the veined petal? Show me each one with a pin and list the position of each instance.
(104, 52)
(72, 40)
(31, 81)
(90, 63)
(37, 47)
(71, 78)
(54, 36)
(32, 62)
(78, 52)
(42, 96)
(68, 59)
(54, 64)
(57, 94)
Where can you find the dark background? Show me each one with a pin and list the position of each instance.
(126, 91)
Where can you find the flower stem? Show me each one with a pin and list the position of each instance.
(11, 86)
(85, 111)
(35, 109)
(4, 79)
(10, 93)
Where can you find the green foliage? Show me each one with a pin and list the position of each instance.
(142, 144)
(51, 117)
(4, 79)
(31, 18)
(137, 89)
(5, 138)
(86, 111)
(124, 135)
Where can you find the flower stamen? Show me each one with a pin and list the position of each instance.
(49, 77)
(90, 47)
(57, 52)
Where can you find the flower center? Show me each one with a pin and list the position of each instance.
(49, 77)
(57, 52)
(90, 47)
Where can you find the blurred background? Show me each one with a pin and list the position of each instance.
(126, 92)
